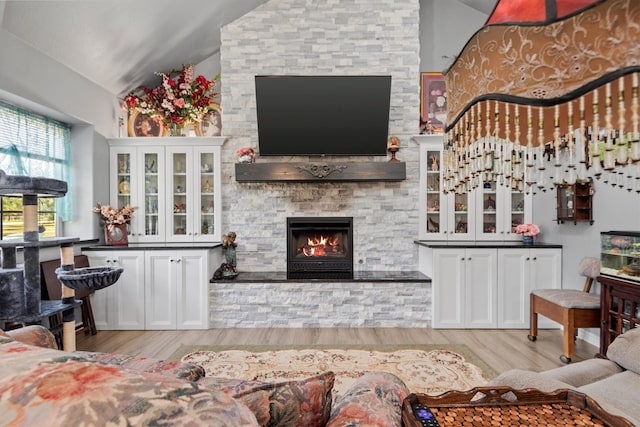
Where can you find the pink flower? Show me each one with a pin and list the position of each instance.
(528, 229)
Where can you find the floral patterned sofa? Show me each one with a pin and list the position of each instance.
(40, 385)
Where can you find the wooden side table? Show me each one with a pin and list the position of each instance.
(488, 406)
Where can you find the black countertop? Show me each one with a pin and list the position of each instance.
(443, 244)
(152, 246)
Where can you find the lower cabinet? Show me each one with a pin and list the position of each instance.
(520, 271)
(176, 290)
(464, 286)
(489, 287)
(159, 289)
(121, 305)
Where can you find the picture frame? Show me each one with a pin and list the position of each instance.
(141, 125)
(433, 103)
(211, 124)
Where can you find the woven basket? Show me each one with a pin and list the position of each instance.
(89, 278)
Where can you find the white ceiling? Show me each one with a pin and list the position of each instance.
(119, 44)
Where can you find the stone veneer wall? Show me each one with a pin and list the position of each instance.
(320, 305)
(322, 37)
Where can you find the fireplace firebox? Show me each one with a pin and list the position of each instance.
(320, 248)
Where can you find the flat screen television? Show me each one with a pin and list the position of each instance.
(323, 115)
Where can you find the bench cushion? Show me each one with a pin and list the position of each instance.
(569, 298)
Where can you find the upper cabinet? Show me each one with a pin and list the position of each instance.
(490, 212)
(173, 182)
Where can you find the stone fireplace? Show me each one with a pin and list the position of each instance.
(320, 248)
(360, 37)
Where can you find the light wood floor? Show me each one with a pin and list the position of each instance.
(501, 349)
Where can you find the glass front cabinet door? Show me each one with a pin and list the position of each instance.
(442, 216)
(489, 212)
(136, 182)
(174, 183)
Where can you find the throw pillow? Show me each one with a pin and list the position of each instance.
(374, 399)
(624, 350)
(299, 403)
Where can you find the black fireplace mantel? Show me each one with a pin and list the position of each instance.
(320, 171)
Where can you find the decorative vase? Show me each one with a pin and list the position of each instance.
(245, 159)
(116, 235)
(527, 240)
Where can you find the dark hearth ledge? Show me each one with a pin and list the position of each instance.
(359, 276)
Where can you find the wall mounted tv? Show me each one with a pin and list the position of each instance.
(323, 115)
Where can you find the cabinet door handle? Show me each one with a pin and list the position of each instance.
(469, 259)
(170, 259)
(527, 258)
(179, 259)
(534, 258)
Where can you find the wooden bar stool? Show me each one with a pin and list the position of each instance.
(570, 307)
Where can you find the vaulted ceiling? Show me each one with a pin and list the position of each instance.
(119, 44)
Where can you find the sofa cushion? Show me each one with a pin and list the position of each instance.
(374, 399)
(521, 379)
(139, 364)
(49, 387)
(617, 395)
(624, 350)
(301, 403)
(585, 372)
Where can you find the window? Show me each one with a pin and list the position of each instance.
(33, 145)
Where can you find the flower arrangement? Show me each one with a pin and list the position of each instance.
(246, 155)
(181, 98)
(111, 216)
(528, 229)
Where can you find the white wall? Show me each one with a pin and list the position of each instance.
(613, 209)
(445, 27)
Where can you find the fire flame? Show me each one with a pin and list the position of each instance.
(317, 246)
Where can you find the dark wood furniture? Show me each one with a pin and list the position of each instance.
(52, 290)
(326, 172)
(489, 406)
(620, 301)
(575, 202)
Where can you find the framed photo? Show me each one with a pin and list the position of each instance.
(433, 103)
(211, 124)
(144, 126)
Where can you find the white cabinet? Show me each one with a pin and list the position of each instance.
(464, 286)
(193, 175)
(173, 182)
(499, 210)
(121, 305)
(489, 212)
(158, 289)
(137, 180)
(475, 287)
(443, 216)
(520, 272)
(176, 289)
